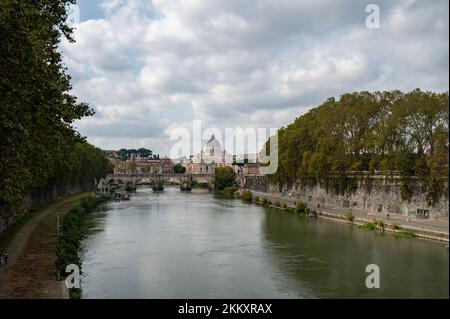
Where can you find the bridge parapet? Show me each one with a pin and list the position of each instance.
(155, 178)
(152, 175)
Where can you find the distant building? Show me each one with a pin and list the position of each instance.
(251, 169)
(246, 158)
(145, 165)
(247, 164)
(211, 156)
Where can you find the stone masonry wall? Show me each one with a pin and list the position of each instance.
(384, 197)
(36, 199)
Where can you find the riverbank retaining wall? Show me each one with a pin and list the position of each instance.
(383, 196)
(37, 198)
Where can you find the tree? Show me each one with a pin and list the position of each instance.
(123, 154)
(224, 177)
(143, 152)
(393, 131)
(179, 169)
(132, 166)
(40, 147)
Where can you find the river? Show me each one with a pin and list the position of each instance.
(199, 245)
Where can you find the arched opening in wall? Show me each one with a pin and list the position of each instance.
(113, 183)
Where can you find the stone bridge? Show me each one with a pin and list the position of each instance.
(157, 180)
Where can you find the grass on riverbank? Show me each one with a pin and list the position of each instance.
(246, 196)
(32, 272)
(73, 232)
(368, 226)
(9, 233)
(405, 234)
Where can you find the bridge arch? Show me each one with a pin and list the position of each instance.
(156, 178)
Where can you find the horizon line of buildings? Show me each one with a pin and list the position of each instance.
(211, 156)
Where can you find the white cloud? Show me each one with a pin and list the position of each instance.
(149, 66)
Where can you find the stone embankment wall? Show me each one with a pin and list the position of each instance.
(384, 196)
(42, 196)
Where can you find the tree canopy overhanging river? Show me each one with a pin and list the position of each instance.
(199, 245)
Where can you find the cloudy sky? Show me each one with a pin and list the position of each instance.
(148, 67)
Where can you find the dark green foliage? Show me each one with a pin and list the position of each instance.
(405, 133)
(367, 185)
(73, 231)
(368, 226)
(435, 189)
(179, 169)
(39, 146)
(230, 190)
(224, 177)
(300, 207)
(143, 152)
(246, 196)
(405, 189)
(125, 154)
(405, 234)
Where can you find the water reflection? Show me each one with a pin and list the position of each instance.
(330, 259)
(197, 245)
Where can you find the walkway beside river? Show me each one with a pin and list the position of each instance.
(427, 227)
(31, 269)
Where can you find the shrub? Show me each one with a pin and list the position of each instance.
(256, 199)
(231, 190)
(284, 205)
(277, 204)
(265, 201)
(380, 223)
(224, 177)
(395, 226)
(246, 196)
(368, 226)
(88, 203)
(405, 234)
(300, 207)
(73, 232)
